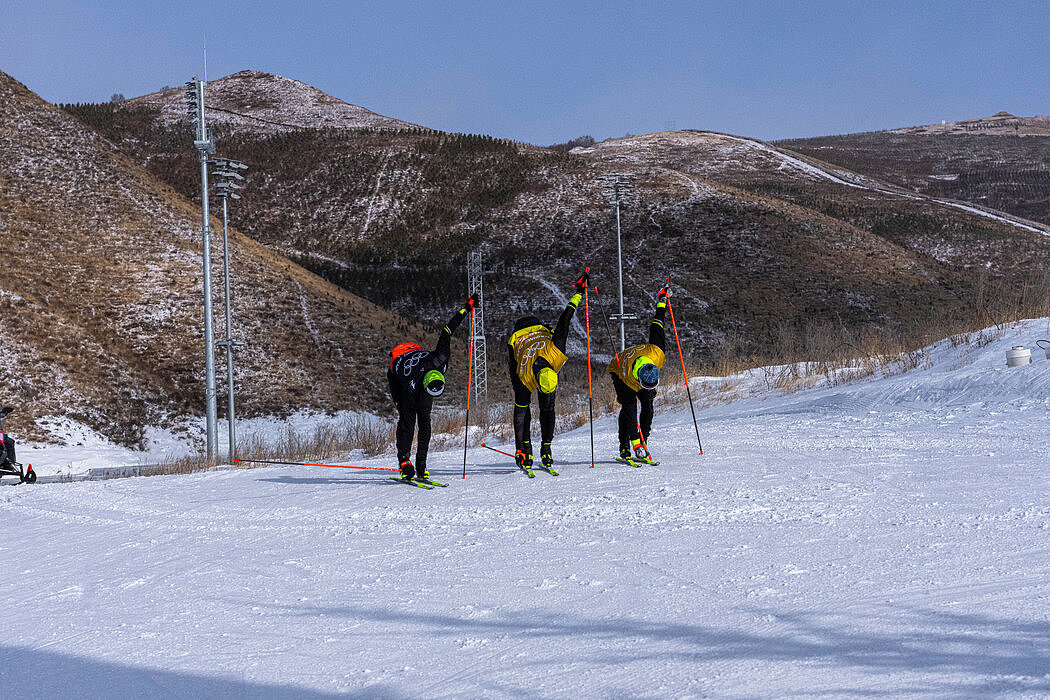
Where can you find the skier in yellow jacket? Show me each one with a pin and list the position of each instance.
(635, 374)
(535, 356)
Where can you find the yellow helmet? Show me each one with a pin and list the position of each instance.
(548, 380)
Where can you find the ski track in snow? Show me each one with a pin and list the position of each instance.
(307, 321)
(375, 194)
(889, 537)
(819, 172)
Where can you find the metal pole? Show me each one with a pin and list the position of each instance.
(475, 273)
(230, 416)
(619, 260)
(211, 413)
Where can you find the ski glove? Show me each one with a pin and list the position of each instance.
(663, 294)
(581, 283)
(472, 301)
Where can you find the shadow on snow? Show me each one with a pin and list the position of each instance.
(989, 655)
(27, 673)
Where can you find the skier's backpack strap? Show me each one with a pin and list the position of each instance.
(401, 350)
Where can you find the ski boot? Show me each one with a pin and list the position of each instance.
(547, 459)
(641, 453)
(524, 461)
(626, 456)
(408, 472)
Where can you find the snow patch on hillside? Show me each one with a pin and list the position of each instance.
(264, 102)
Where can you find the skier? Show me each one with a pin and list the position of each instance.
(7, 443)
(416, 377)
(635, 373)
(535, 355)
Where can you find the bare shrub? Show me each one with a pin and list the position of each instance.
(329, 439)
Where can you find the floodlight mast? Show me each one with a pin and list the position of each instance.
(617, 188)
(205, 147)
(226, 170)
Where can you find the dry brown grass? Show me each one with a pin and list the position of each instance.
(327, 440)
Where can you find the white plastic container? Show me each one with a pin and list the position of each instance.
(1018, 355)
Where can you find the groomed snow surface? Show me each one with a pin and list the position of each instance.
(885, 538)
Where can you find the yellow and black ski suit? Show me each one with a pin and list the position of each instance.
(532, 346)
(629, 391)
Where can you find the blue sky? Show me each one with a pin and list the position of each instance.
(545, 72)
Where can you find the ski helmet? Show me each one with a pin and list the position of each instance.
(548, 380)
(434, 381)
(648, 375)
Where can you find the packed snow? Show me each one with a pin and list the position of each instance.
(880, 536)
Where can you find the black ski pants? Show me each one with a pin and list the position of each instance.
(629, 418)
(409, 410)
(523, 413)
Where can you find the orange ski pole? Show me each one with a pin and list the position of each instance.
(590, 390)
(307, 464)
(470, 369)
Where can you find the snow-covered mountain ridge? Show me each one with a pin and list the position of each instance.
(998, 162)
(777, 256)
(267, 103)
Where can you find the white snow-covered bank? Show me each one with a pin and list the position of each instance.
(889, 537)
(75, 449)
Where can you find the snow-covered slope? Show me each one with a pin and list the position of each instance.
(720, 155)
(883, 537)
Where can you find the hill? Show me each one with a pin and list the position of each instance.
(1001, 162)
(266, 103)
(101, 301)
(774, 256)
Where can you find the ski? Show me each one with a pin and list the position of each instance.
(550, 469)
(430, 481)
(528, 470)
(412, 482)
(622, 460)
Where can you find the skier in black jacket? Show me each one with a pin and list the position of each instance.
(535, 355)
(416, 377)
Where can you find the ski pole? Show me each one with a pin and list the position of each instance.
(681, 359)
(495, 450)
(307, 464)
(590, 391)
(470, 369)
(608, 331)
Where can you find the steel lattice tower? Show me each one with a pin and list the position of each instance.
(474, 286)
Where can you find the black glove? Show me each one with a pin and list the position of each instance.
(581, 283)
(472, 301)
(663, 294)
